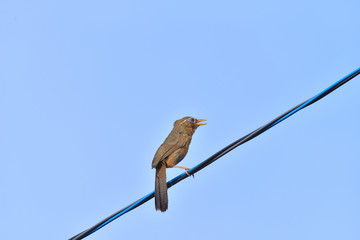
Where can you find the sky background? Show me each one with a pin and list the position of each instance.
(90, 89)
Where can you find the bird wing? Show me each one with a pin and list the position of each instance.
(172, 143)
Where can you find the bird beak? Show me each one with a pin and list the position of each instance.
(198, 122)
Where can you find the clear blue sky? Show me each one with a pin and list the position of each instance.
(90, 89)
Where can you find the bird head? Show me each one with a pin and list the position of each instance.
(189, 122)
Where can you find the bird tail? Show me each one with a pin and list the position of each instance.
(161, 197)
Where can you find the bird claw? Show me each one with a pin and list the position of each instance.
(186, 171)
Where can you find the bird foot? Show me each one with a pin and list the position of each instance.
(186, 170)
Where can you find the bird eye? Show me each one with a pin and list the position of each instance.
(191, 120)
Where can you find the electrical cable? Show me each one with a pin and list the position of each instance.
(219, 154)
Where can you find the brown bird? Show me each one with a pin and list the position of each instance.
(170, 153)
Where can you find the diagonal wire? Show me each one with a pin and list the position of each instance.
(219, 154)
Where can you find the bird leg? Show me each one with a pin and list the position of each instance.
(186, 169)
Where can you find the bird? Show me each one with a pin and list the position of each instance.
(170, 153)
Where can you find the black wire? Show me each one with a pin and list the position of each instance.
(219, 154)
